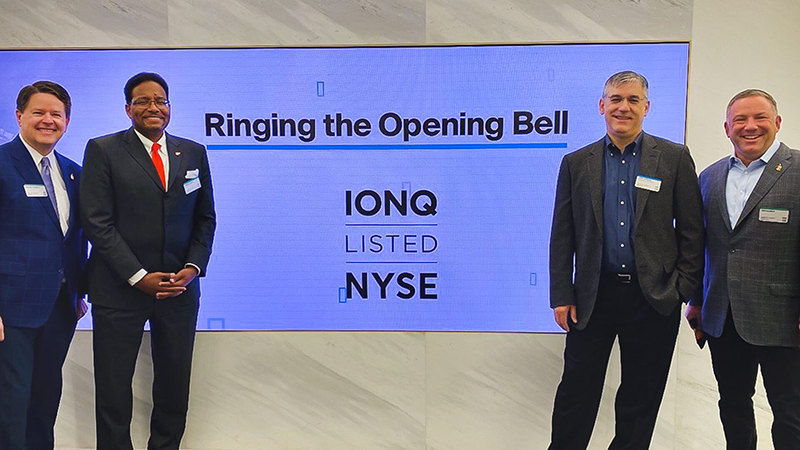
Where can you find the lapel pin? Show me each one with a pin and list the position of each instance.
(72, 176)
(177, 153)
(779, 167)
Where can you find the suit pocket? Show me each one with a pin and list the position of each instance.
(785, 290)
(12, 268)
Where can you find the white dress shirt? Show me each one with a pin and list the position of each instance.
(59, 186)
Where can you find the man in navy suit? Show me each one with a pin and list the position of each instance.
(148, 209)
(42, 257)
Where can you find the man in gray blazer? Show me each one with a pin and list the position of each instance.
(626, 248)
(148, 210)
(749, 307)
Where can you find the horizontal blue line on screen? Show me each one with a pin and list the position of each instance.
(537, 145)
(391, 262)
(391, 225)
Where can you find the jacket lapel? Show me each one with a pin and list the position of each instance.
(30, 174)
(768, 178)
(648, 166)
(177, 162)
(718, 182)
(71, 182)
(137, 151)
(594, 168)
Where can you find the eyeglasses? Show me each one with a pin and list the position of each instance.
(145, 102)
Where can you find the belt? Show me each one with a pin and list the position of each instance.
(619, 278)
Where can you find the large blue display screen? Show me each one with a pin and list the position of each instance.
(379, 188)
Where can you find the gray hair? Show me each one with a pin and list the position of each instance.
(625, 77)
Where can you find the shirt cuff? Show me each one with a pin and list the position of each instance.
(137, 277)
(188, 264)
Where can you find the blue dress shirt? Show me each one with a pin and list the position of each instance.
(620, 170)
(742, 180)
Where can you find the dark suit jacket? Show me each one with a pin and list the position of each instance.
(34, 254)
(133, 223)
(668, 236)
(754, 267)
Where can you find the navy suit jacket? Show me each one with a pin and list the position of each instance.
(133, 223)
(35, 256)
(668, 239)
(753, 267)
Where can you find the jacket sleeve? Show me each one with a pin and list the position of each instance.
(562, 242)
(689, 229)
(97, 213)
(205, 221)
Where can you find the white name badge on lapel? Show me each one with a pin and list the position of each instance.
(648, 183)
(35, 190)
(192, 174)
(191, 185)
(774, 215)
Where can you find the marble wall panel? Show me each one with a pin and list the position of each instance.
(292, 22)
(496, 391)
(563, 21)
(491, 391)
(82, 23)
(254, 390)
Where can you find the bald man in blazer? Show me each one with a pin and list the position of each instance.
(148, 209)
(749, 306)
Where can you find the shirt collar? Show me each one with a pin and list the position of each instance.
(764, 158)
(38, 157)
(637, 142)
(148, 144)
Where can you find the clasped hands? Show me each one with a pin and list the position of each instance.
(163, 285)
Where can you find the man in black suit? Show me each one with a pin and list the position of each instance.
(626, 249)
(42, 260)
(148, 210)
(749, 307)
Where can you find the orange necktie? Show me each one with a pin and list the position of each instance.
(158, 163)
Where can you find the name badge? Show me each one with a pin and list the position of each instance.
(648, 183)
(35, 190)
(192, 174)
(191, 185)
(774, 215)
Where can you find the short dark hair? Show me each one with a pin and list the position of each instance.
(140, 78)
(44, 87)
(753, 93)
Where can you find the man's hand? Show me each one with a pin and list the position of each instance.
(563, 312)
(2, 331)
(180, 280)
(694, 318)
(158, 285)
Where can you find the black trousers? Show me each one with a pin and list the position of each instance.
(31, 360)
(646, 341)
(116, 341)
(736, 365)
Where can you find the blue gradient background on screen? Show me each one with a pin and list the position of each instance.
(280, 257)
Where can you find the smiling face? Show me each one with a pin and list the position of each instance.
(751, 125)
(624, 107)
(149, 119)
(43, 122)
